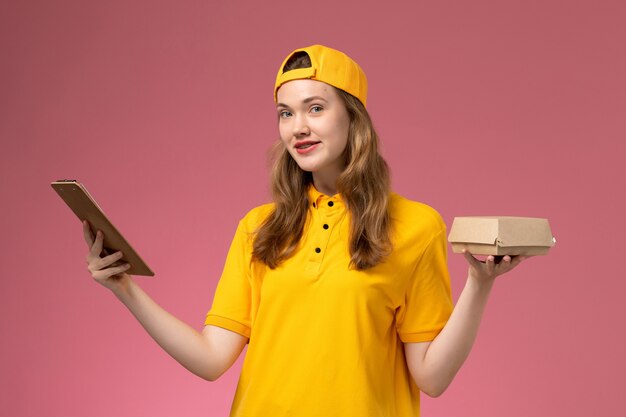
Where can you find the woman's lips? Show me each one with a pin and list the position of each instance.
(307, 147)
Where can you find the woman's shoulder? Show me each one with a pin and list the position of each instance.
(255, 217)
(414, 216)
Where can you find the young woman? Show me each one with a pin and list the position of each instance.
(340, 286)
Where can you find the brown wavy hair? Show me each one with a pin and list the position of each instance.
(363, 184)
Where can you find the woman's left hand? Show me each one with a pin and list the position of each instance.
(486, 271)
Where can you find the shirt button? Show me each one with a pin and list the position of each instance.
(325, 226)
(317, 250)
(330, 204)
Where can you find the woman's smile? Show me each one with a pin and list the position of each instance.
(306, 146)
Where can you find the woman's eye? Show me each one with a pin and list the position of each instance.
(316, 109)
(284, 114)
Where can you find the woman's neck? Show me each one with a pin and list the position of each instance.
(325, 184)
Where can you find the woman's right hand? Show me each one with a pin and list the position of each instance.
(105, 270)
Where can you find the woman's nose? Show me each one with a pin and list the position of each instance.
(301, 127)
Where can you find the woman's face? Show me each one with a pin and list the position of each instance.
(313, 123)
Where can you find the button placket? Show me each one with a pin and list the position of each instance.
(318, 217)
(321, 241)
(327, 212)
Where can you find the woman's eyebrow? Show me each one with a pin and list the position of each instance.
(305, 101)
(310, 99)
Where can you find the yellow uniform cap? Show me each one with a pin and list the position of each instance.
(330, 66)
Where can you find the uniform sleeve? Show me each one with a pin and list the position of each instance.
(428, 300)
(232, 302)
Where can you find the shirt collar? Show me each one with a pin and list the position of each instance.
(316, 198)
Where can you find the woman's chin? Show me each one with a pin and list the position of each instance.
(307, 166)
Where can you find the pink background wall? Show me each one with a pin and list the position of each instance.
(164, 110)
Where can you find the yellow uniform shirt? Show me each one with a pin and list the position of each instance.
(326, 340)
